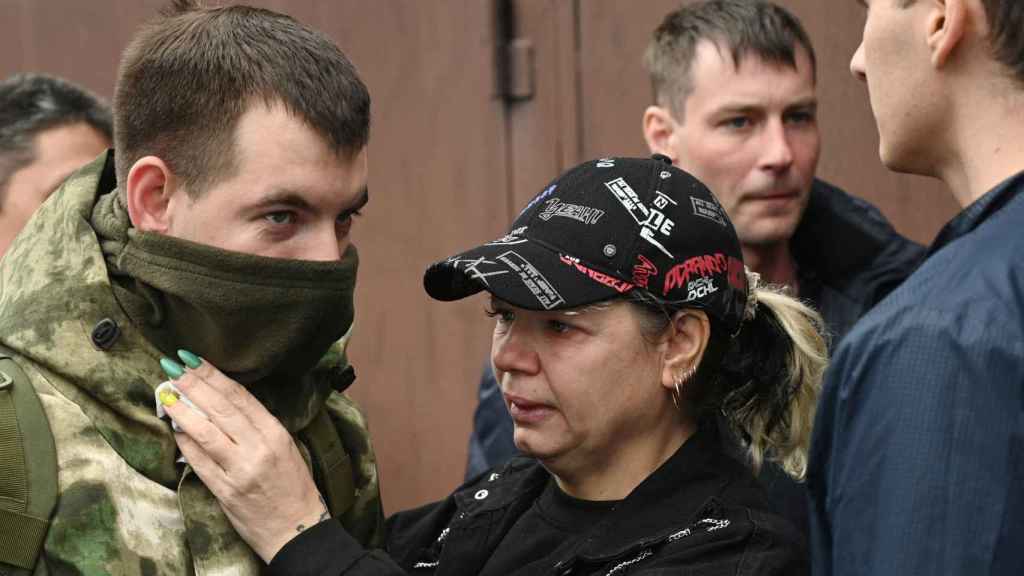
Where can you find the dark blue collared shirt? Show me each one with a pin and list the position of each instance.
(917, 458)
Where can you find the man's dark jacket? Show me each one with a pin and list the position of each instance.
(700, 512)
(918, 448)
(848, 258)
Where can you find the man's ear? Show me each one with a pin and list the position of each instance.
(947, 23)
(148, 191)
(687, 341)
(659, 128)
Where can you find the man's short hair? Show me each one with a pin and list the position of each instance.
(34, 103)
(187, 77)
(1006, 22)
(743, 27)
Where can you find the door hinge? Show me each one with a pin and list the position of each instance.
(514, 61)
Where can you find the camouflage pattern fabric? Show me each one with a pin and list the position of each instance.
(124, 507)
(364, 520)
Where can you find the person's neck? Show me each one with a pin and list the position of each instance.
(616, 475)
(985, 147)
(774, 262)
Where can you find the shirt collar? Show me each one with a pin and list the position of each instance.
(978, 211)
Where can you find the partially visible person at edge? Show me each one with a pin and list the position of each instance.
(625, 322)
(918, 449)
(226, 210)
(48, 129)
(734, 83)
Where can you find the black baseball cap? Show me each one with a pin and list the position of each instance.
(601, 230)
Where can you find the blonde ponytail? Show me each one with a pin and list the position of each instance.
(765, 379)
(777, 424)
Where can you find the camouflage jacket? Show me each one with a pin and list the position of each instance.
(124, 505)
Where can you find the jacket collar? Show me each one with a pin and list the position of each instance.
(700, 476)
(698, 470)
(858, 232)
(978, 212)
(670, 499)
(521, 479)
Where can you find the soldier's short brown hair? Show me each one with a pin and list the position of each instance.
(743, 27)
(188, 76)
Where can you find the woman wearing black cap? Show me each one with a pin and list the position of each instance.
(626, 327)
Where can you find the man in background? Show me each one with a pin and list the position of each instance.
(48, 129)
(918, 448)
(735, 104)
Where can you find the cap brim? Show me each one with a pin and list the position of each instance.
(523, 273)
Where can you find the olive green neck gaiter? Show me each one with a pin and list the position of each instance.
(279, 327)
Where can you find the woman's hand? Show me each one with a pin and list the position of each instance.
(244, 456)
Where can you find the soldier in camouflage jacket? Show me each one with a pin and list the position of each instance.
(132, 260)
(125, 507)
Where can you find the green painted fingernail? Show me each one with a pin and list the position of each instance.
(172, 368)
(190, 359)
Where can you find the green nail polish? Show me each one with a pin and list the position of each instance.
(190, 359)
(172, 368)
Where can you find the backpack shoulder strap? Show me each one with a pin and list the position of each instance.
(28, 468)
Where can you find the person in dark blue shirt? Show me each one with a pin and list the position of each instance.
(918, 446)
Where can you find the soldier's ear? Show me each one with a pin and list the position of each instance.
(148, 192)
(659, 128)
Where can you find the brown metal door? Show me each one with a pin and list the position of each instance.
(439, 177)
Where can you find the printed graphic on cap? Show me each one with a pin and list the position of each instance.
(606, 163)
(585, 214)
(737, 274)
(533, 279)
(643, 270)
(512, 238)
(651, 220)
(699, 288)
(473, 267)
(628, 198)
(661, 201)
(538, 198)
(701, 266)
(599, 277)
(709, 210)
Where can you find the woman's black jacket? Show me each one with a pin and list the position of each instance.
(700, 513)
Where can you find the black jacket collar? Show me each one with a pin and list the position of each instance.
(857, 236)
(672, 497)
(699, 475)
